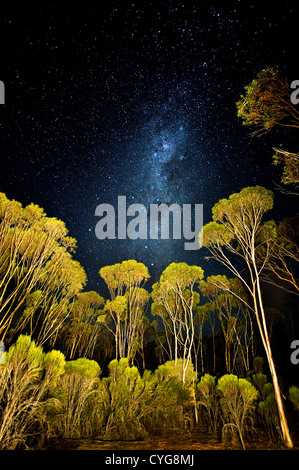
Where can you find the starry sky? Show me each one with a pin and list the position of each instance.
(137, 99)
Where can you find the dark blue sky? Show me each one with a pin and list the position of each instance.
(137, 99)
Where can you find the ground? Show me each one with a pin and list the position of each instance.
(199, 440)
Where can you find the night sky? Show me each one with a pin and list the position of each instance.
(137, 99)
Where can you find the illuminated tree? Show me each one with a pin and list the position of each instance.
(200, 318)
(121, 277)
(281, 241)
(38, 277)
(174, 292)
(266, 104)
(123, 313)
(233, 238)
(81, 331)
(223, 294)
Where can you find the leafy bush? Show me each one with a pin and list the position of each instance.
(268, 412)
(294, 397)
(208, 400)
(176, 401)
(130, 399)
(70, 408)
(267, 407)
(153, 404)
(237, 404)
(22, 390)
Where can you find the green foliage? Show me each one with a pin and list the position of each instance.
(38, 276)
(54, 365)
(294, 397)
(70, 409)
(153, 404)
(208, 400)
(44, 396)
(83, 366)
(237, 401)
(22, 391)
(129, 401)
(266, 101)
(174, 398)
(25, 352)
(171, 369)
(267, 411)
(258, 363)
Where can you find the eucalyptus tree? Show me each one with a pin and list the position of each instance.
(175, 293)
(282, 242)
(200, 318)
(123, 313)
(267, 103)
(38, 276)
(234, 237)
(80, 332)
(222, 294)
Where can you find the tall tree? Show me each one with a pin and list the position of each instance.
(121, 277)
(224, 297)
(38, 277)
(175, 293)
(81, 330)
(200, 318)
(128, 301)
(233, 238)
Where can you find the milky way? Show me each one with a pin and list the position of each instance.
(135, 100)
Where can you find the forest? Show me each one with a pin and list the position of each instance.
(192, 350)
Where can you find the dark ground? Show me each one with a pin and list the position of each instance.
(195, 440)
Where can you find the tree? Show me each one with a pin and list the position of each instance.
(290, 163)
(71, 408)
(224, 298)
(266, 104)
(208, 400)
(38, 277)
(174, 292)
(145, 330)
(123, 313)
(281, 242)
(120, 277)
(165, 335)
(200, 318)
(81, 331)
(113, 313)
(25, 381)
(237, 403)
(233, 238)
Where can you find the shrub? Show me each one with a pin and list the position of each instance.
(237, 404)
(129, 401)
(70, 410)
(268, 412)
(208, 400)
(175, 399)
(21, 393)
(294, 397)
(267, 407)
